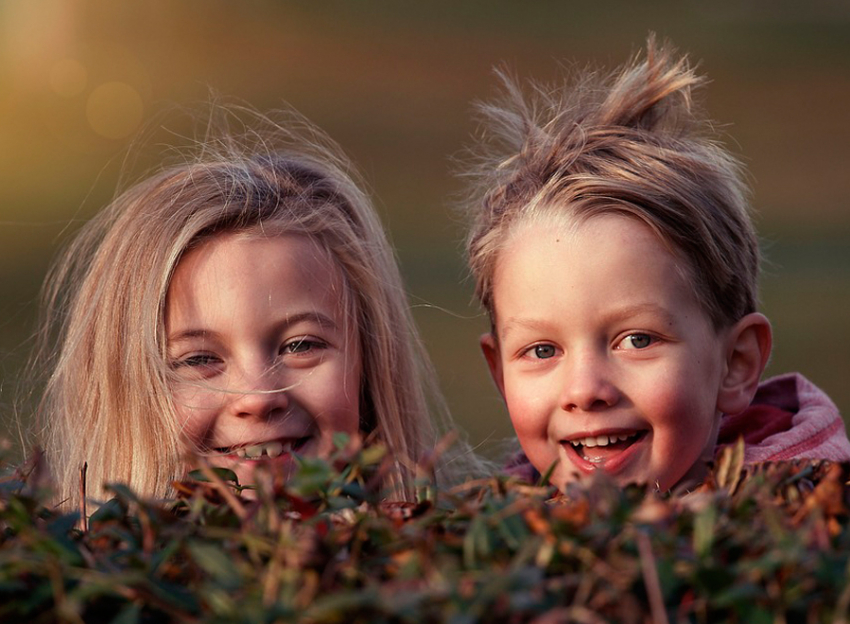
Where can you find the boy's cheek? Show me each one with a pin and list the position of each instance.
(527, 412)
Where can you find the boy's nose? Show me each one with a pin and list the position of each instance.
(259, 394)
(588, 386)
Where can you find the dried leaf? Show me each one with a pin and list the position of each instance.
(730, 466)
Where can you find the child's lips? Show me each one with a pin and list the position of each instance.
(607, 451)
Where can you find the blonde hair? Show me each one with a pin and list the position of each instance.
(107, 400)
(631, 143)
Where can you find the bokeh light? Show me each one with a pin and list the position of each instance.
(114, 110)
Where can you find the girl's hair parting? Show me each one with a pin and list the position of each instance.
(107, 401)
(632, 143)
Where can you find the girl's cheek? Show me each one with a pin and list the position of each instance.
(195, 412)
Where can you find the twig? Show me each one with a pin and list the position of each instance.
(650, 579)
(84, 520)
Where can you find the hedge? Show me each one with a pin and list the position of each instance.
(764, 543)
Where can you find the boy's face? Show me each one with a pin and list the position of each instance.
(603, 354)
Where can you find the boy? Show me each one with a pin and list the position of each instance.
(614, 252)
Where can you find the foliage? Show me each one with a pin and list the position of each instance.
(768, 543)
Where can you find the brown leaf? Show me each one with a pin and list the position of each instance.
(537, 523)
(730, 466)
(652, 510)
(401, 511)
(575, 511)
(827, 497)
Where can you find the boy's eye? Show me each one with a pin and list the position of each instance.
(543, 351)
(636, 341)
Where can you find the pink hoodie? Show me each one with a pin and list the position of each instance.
(789, 418)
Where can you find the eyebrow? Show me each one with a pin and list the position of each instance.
(293, 319)
(642, 308)
(516, 323)
(534, 324)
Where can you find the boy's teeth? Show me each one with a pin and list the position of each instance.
(602, 440)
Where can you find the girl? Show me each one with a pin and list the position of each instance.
(245, 306)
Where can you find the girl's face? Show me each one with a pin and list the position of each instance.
(603, 354)
(264, 360)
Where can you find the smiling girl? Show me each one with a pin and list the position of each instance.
(243, 306)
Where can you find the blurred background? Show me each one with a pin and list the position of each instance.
(393, 83)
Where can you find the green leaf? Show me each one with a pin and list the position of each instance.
(128, 615)
(113, 509)
(225, 474)
(215, 562)
(704, 525)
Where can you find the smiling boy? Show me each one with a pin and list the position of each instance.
(614, 252)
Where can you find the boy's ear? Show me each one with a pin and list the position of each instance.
(748, 347)
(490, 348)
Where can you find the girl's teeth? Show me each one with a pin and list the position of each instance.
(269, 449)
(253, 452)
(273, 449)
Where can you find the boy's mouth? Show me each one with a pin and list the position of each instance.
(264, 450)
(600, 448)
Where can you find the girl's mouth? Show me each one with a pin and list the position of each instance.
(601, 448)
(264, 450)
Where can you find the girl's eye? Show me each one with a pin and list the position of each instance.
(302, 346)
(543, 351)
(636, 341)
(197, 360)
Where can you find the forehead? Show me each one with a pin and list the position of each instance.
(605, 257)
(231, 271)
(551, 232)
(241, 252)
(571, 225)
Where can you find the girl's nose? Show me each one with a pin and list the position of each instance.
(588, 384)
(259, 394)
